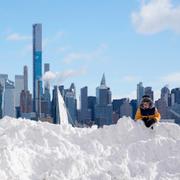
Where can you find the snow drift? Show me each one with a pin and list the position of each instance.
(42, 151)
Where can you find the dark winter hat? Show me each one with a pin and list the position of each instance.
(147, 99)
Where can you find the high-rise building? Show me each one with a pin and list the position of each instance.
(46, 83)
(71, 105)
(176, 95)
(149, 92)
(46, 100)
(91, 106)
(133, 104)
(1, 101)
(37, 65)
(140, 92)
(103, 107)
(25, 73)
(126, 109)
(3, 79)
(162, 107)
(117, 103)
(165, 94)
(69, 97)
(9, 99)
(19, 86)
(25, 102)
(85, 113)
(55, 106)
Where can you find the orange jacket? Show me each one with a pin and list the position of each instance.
(155, 116)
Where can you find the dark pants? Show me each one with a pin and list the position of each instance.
(149, 122)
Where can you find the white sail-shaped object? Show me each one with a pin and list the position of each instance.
(63, 114)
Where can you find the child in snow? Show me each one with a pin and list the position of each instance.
(147, 112)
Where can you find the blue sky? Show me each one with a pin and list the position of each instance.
(130, 41)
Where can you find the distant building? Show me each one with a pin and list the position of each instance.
(115, 117)
(71, 104)
(134, 106)
(9, 99)
(126, 109)
(103, 107)
(1, 100)
(25, 102)
(165, 94)
(175, 95)
(3, 79)
(149, 92)
(37, 65)
(46, 99)
(140, 92)
(55, 107)
(163, 108)
(25, 73)
(116, 104)
(85, 113)
(91, 106)
(19, 86)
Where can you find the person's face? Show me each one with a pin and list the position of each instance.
(146, 105)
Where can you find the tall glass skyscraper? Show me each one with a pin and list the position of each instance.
(140, 92)
(103, 107)
(37, 65)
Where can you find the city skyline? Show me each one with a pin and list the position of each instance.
(102, 49)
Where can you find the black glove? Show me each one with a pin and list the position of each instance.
(145, 119)
(149, 122)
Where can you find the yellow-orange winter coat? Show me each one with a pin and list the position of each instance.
(151, 113)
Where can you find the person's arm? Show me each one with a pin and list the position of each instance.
(138, 115)
(157, 115)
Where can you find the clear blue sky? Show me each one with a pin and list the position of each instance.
(91, 37)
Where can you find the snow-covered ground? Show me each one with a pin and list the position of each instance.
(42, 151)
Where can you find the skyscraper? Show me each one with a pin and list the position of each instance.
(176, 95)
(46, 100)
(71, 103)
(91, 106)
(25, 102)
(9, 99)
(19, 86)
(25, 78)
(140, 92)
(37, 65)
(133, 104)
(149, 92)
(46, 84)
(165, 94)
(126, 109)
(55, 106)
(3, 79)
(103, 108)
(1, 100)
(85, 113)
(25, 97)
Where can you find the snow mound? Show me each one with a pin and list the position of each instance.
(42, 151)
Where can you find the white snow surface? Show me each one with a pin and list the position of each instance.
(41, 151)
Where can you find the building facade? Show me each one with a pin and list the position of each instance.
(37, 64)
(103, 107)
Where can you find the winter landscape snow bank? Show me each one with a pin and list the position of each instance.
(42, 151)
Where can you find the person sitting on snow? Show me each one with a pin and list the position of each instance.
(147, 112)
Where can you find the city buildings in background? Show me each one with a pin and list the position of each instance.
(16, 100)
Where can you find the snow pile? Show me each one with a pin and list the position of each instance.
(42, 151)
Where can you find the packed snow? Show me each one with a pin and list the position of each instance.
(41, 151)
